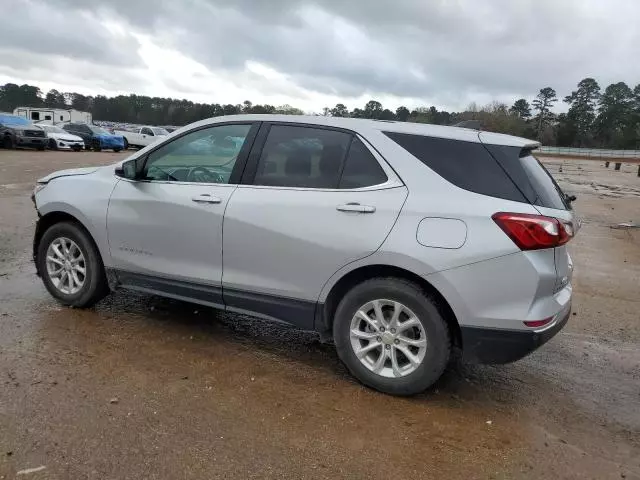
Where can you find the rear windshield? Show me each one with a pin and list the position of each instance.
(532, 179)
(547, 190)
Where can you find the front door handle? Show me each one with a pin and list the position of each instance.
(356, 207)
(206, 198)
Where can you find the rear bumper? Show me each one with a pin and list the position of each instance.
(489, 345)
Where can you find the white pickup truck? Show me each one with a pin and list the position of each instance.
(142, 136)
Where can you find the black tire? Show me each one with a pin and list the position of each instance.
(53, 145)
(95, 145)
(117, 150)
(425, 308)
(7, 142)
(41, 148)
(126, 143)
(95, 285)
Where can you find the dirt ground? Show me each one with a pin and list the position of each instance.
(142, 387)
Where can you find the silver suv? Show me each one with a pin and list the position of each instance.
(399, 241)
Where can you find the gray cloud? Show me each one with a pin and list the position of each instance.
(39, 27)
(447, 51)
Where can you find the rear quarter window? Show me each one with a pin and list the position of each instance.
(467, 165)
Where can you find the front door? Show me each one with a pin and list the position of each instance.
(165, 230)
(316, 200)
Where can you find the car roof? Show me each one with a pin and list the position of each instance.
(361, 124)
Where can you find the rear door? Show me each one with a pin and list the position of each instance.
(312, 200)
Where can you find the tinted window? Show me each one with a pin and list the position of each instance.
(35, 115)
(361, 168)
(467, 165)
(302, 157)
(203, 156)
(548, 192)
(146, 131)
(533, 180)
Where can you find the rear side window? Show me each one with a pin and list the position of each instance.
(361, 168)
(467, 165)
(302, 157)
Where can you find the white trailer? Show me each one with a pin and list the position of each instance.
(53, 116)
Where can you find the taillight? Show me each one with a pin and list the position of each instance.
(534, 232)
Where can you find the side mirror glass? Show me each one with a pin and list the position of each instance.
(127, 170)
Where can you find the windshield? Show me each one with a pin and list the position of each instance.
(51, 129)
(13, 120)
(159, 131)
(98, 130)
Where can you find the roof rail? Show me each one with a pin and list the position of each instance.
(471, 124)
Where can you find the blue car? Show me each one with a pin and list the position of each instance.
(96, 138)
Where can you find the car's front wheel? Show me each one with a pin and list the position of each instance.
(392, 336)
(96, 145)
(70, 265)
(53, 145)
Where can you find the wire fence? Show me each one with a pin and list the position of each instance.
(593, 153)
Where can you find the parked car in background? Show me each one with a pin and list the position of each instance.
(141, 136)
(94, 137)
(53, 116)
(60, 139)
(20, 132)
(402, 242)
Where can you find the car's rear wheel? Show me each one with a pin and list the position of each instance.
(7, 142)
(95, 144)
(53, 145)
(70, 265)
(392, 336)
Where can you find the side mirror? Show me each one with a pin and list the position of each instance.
(127, 170)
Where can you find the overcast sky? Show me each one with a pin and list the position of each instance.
(315, 53)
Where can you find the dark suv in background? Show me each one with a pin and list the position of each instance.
(20, 132)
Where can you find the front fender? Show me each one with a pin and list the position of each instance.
(84, 197)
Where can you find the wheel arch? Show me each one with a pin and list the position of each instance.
(54, 217)
(326, 310)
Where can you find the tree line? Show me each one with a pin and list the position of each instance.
(595, 118)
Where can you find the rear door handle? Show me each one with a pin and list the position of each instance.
(206, 198)
(356, 207)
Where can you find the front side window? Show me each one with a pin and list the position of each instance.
(203, 156)
(302, 157)
(146, 131)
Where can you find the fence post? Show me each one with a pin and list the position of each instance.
(618, 166)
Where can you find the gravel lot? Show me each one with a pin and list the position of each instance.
(142, 387)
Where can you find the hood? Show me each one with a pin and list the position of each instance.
(16, 126)
(68, 173)
(65, 137)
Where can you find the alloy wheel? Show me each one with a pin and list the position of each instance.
(388, 338)
(66, 265)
